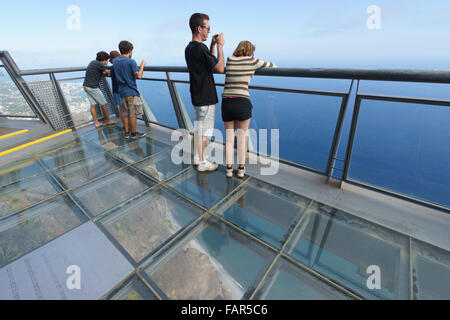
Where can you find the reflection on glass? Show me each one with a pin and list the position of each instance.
(219, 263)
(157, 96)
(11, 100)
(342, 247)
(33, 228)
(205, 188)
(288, 282)
(19, 170)
(144, 224)
(68, 153)
(105, 193)
(265, 211)
(431, 272)
(139, 149)
(80, 172)
(403, 147)
(161, 166)
(23, 194)
(133, 289)
(109, 138)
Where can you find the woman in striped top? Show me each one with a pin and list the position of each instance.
(236, 105)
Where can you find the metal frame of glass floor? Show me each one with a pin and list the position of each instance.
(98, 216)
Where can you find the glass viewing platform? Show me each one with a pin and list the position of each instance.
(359, 208)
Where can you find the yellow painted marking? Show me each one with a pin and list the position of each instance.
(12, 134)
(26, 145)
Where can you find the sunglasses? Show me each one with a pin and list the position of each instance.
(208, 28)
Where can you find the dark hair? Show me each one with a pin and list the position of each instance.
(125, 47)
(197, 20)
(102, 56)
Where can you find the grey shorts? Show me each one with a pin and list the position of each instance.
(204, 120)
(95, 96)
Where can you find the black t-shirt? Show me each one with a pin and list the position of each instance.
(94, 74)
(200, 63)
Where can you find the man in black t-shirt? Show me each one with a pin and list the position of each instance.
(201, 63)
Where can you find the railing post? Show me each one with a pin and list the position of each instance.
(184, 121)
(67, 115)
(338, 131)
(12, 70)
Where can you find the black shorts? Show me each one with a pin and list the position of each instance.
(239, 108)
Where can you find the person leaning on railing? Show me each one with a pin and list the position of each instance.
(236, 105)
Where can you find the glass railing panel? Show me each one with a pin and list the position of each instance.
(343, 247)
(205, 266)
(205, 188)
(77, 100)
(24, 193)
(403, 147)
(33, 228)
(11, 100)
(106, 193)
(406, 89)
(68, 153)
(139, 149)
(19, 170)
(161, 166)
(265, 211)
(146, 223)
(288, 282)
(133, 289)
(431, 272)
(157, 96)
(82, 171)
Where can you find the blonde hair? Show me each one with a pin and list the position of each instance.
(244, 49)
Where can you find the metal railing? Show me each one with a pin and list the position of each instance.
(355, 75)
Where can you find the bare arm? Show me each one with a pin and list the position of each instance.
(107, 73)
(220, 66)
(140, 73)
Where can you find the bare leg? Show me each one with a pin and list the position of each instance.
(229, 146)
(132, 122)
(94, 115)
(242, 141)
(203, 148)
(126, 124)
(106, 113)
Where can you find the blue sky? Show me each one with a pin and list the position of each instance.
(294, 33)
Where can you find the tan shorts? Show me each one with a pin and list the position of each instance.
(132, 106)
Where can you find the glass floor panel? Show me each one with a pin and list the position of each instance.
(80, 172)
(68, 153)
(107, 192)
(147, 222)
(288, 282)
(431, 272)
(109, 138)
(24, 193)
(161, 166)
(133, 289)
(264, 211)
(139, 149)
(21, 233)
(19, 170)
(218, 263)
(342, 247)
(205, 188)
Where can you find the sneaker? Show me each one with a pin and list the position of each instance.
(230, 172)
(137, 135)
(127, 135)
(241, 173)
(207, 166)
